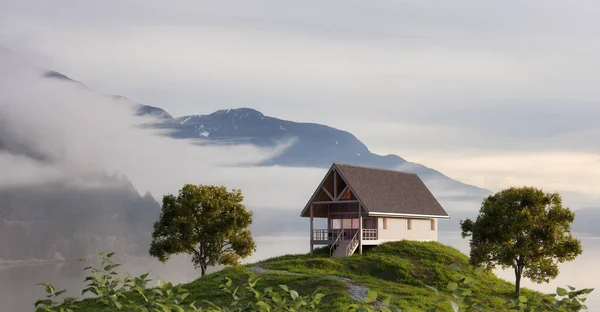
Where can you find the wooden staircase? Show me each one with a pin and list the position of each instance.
(344, 247)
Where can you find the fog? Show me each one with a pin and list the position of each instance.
(64, 131)
(55, 131)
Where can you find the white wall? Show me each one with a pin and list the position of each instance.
(397, 230)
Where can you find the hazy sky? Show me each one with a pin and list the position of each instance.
(493, 93)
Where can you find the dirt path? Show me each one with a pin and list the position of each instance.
(356, 292)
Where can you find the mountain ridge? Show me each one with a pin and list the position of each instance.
(315, 145)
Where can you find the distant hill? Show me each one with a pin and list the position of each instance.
(67, 220)
(586, 220)
(62, 221)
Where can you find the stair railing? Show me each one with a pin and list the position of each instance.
(336, 243)
(352, 244)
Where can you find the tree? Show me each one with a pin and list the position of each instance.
(524, 229)
(208, 222)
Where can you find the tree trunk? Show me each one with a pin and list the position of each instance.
(518, 271)
(202, 269)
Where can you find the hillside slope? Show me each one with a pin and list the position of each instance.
(402, 270)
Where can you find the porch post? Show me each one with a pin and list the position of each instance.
(360, 229)
(335, 185)
(328, 221)
(311, 229)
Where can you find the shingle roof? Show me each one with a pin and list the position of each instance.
(389, 191)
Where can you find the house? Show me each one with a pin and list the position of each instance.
(369, 206)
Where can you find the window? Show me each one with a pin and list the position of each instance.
(347, 194)
(409, 224)
(344, 223)
(370, 223)
(336, 224)
(385, 223)
(433, 224)
(347, 223)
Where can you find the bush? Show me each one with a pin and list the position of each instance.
(133, 294)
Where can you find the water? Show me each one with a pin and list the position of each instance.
(18, 290)
(579, 273)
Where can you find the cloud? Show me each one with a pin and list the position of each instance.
(457, 66)
(57, 131)
(573, 174)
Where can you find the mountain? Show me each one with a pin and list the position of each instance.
(584, 224)
(314, 145)
(585, 220)
(63, 221)
(142, 109)
(68, 219)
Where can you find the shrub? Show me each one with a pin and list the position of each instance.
(133, 294)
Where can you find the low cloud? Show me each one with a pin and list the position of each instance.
(58, 131)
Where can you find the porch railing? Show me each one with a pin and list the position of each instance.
(321, 235)
(352, 246)
(369, 234)
(328, 235)
(324, 235)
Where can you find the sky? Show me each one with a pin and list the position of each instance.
(490, 93)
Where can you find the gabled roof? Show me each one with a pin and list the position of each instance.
(387, 192)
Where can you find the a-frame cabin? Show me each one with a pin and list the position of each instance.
(370, 206)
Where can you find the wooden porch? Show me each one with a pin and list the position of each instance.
(328, 236)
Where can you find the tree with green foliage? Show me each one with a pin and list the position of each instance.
(208, 222)
(525, 229)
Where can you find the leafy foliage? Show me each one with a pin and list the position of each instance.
(208, 222)
(119, 293)
(114, 293)
(523, 228)
(281, 298)
(464, 299)
(50, 304)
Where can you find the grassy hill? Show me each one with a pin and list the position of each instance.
(401, 271)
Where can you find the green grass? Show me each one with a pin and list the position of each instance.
(401, 270)
(206, 288)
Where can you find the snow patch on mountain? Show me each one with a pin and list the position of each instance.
(186, 120)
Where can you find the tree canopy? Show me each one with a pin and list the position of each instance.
(525, 229)
(208, 222)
